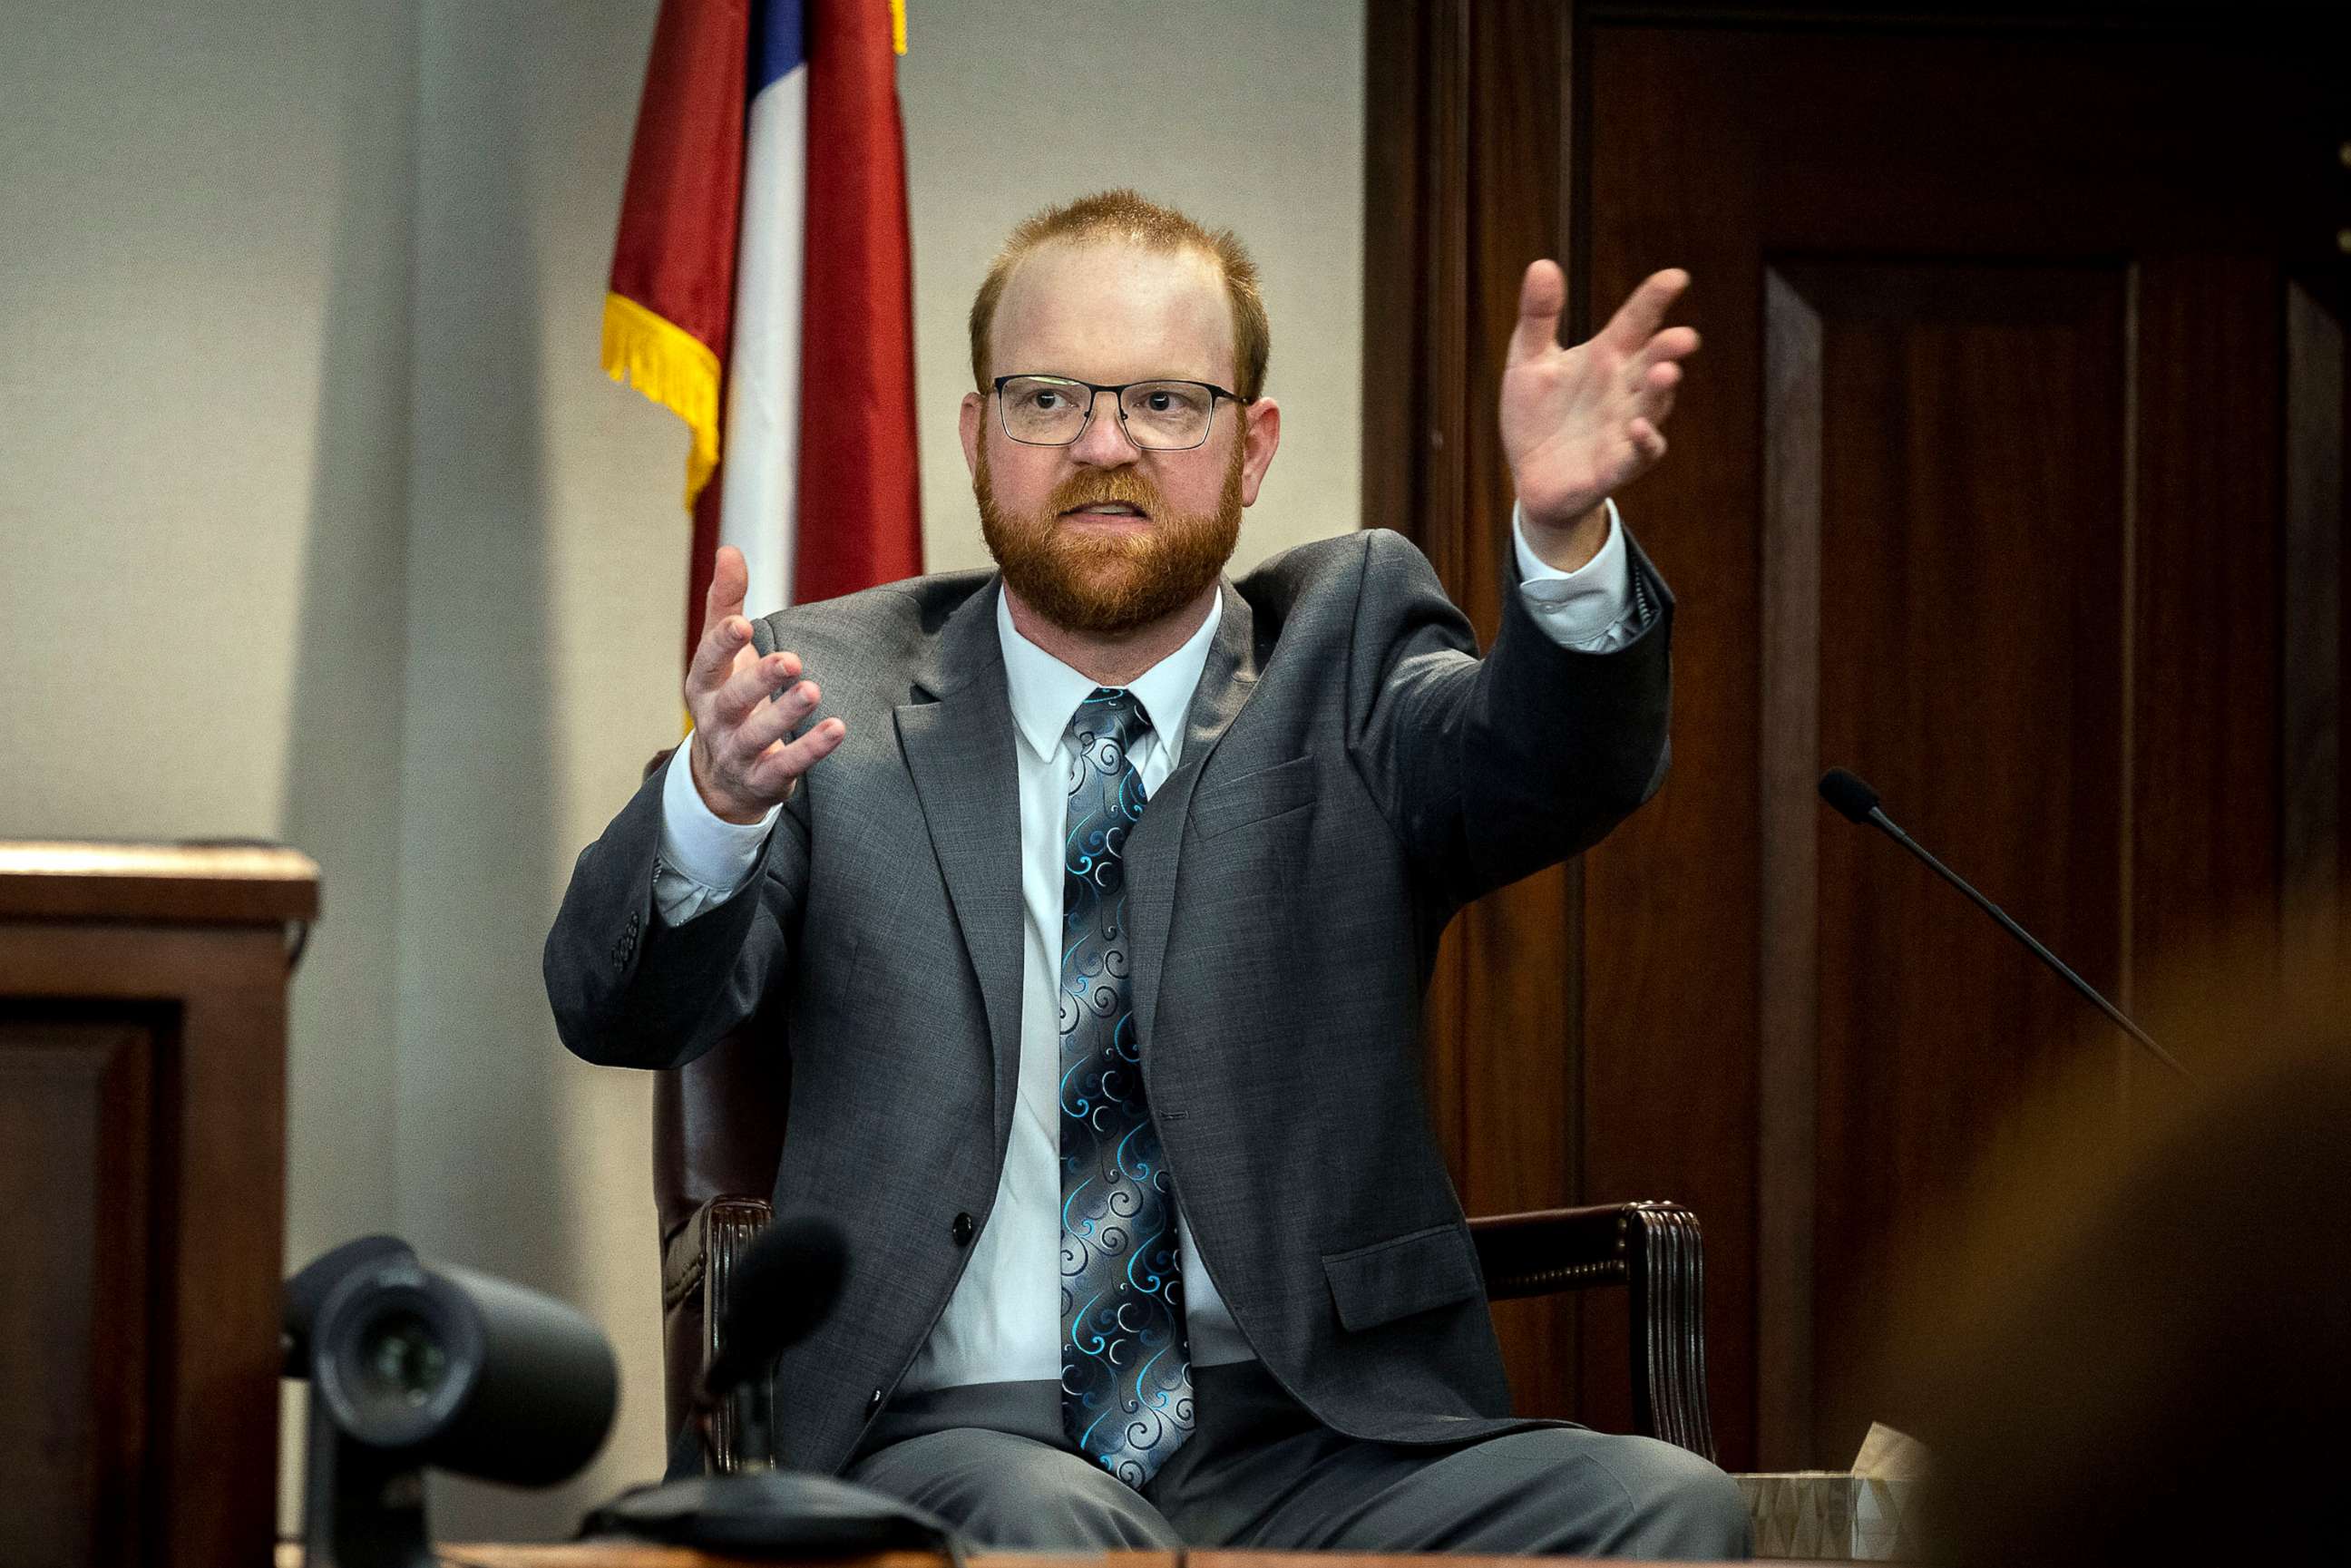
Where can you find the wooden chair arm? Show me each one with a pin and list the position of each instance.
(697, 1258)
(1655, 1251)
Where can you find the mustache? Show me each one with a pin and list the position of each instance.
(1105, 486)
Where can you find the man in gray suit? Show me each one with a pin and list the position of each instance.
(1097, 896)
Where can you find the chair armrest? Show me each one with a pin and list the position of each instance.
(697, 1261)
(1655, 1250)
(1652, 1248)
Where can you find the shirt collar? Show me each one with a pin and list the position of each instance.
(1045, 692)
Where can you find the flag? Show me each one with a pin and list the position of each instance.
(761, 289)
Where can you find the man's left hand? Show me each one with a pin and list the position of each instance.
(1580, 424)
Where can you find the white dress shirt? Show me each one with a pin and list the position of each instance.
(1003, 1323)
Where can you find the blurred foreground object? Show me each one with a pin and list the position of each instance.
(2144, 1354)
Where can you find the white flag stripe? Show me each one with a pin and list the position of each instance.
(760, 496)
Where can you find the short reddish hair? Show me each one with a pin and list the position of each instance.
(1124, 216)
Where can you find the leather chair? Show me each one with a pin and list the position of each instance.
(718, 1124)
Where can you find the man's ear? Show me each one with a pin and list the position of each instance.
(1261, 433)
(967, 424)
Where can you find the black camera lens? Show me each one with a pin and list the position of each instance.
(398, 1354)
(401, 1362)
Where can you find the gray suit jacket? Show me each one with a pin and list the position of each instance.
(1351, 774)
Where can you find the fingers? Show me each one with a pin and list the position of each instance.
(1541, 297)
(1672, 344)
(739, 697)
(730, 580)
(757, 763)
(724, 633)
(714, 655)
(771, 721)
(1636, 320)
(747, 760)
(744, 707)
(1657, 383)
(781, 765)
(1646, 440)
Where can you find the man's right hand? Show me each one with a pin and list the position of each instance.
(743, 764)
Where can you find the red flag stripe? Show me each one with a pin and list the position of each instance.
(674, 252)
(860, 507)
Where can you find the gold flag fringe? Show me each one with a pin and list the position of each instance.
(674, 368)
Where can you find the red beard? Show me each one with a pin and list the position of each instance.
(1107, 585)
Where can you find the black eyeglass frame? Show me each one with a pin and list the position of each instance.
(1118, 401)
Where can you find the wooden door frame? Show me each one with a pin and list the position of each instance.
(1430, 456)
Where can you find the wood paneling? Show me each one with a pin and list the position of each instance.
(1447, 289)
(1416, 321)
(1972, 441)
(1520, 987)
(1673, 982)
(2206, 697)
(2010, 477)
(74, 1110)
(1788, 1026)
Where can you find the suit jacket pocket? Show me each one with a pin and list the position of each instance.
(1411, 1273)
(1253, 797)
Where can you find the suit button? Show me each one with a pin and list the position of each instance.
(873, 1404)
(963, 1230)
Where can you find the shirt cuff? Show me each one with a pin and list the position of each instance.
(1589, 608)
(705, 859)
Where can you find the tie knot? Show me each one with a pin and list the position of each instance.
(1110, 717)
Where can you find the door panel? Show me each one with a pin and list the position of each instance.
(2010, 477)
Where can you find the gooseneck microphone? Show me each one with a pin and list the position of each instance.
(786, 1283)
(1856, 802)
(783, 1286)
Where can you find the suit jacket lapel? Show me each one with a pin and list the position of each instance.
(1157, 844)
(958, 737)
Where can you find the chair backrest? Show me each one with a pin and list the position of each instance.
(718, 1131)
(718, 1124)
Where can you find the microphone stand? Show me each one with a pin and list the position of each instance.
(751, 1402)
(1845, 799)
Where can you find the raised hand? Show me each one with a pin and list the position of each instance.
(742, 763)
(1580, 424)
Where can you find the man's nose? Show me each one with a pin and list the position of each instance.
(1104, 443)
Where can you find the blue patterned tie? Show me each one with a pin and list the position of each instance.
(1126, 1369)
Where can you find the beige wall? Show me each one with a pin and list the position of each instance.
(319, 522)
(204, 222)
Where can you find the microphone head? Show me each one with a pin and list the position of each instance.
(1852, 799)
(786, 1283)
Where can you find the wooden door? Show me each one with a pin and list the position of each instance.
(2009, 477)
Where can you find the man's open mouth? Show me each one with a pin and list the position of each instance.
(1106, 509)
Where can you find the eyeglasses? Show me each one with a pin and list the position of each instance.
(1157, 416)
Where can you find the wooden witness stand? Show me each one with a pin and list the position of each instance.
(142, 1178)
